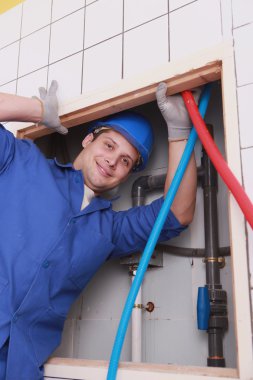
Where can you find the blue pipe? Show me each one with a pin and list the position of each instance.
(151, 243)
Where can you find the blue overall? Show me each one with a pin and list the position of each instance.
(49, 250)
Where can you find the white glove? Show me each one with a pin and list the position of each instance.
(175, 113)
(50, 117)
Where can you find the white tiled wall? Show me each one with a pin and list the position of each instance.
(247, 159)
(142, 51)
(243, 34)
(244, 54)
(34, 51)
(242, 12)
(102, 65)
(138, 12)
(10, 23)
(36, 15)
(62, 8)
(245, 96)
(194, 27)
(30, 83)
(104, 19)
(68, 72)
(61, 46)
(9, 63)
(88, 45)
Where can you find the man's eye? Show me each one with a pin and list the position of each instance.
(125, 161)
(109, 146)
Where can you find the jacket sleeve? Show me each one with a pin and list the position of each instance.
(131, 228)
(7, 148)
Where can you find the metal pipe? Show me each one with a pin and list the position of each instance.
(137, 326)
(191, 252)
(218, 320)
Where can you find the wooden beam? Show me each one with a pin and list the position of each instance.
(57, 366)
(188, 80)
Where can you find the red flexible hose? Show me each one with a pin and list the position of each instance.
(217, 159)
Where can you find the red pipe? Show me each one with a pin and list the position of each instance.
(217, 159)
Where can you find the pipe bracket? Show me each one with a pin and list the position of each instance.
(220, 260)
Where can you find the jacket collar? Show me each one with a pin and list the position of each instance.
(97, 203)
(68, 165)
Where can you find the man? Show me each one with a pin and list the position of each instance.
(56, 228)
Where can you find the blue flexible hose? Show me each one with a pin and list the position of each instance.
(151, 243)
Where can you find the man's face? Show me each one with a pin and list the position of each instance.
(106, 161)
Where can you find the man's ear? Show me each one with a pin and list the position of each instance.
(88, 139)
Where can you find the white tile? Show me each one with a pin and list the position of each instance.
(103, 20)
(250, 250)
(34, 51)
(194, 27)
(227, 19)
(242, 12)
(9, 63)
(36, 15)
(247, 159)
(90, 1)
(62, 8)
(10, 87)
(141, 48)
(29, 84)
(174, 4)
(102, 64)
(10, 24)
(138, 12)
(67, 36)
(244, 54)
(68, 73)
(245, 96)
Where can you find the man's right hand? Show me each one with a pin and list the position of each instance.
(50, 117)
(175, 113)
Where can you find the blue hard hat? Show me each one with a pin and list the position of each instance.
(135, 128)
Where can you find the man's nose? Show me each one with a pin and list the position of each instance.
(111, 161)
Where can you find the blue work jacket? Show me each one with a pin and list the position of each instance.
(49, 250)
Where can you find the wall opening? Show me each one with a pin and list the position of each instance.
(170, 333)
(141, 95)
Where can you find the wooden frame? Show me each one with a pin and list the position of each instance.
(206, 66)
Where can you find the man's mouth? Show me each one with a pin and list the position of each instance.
(103, 171)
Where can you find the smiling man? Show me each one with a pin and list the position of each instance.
(50, 211)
